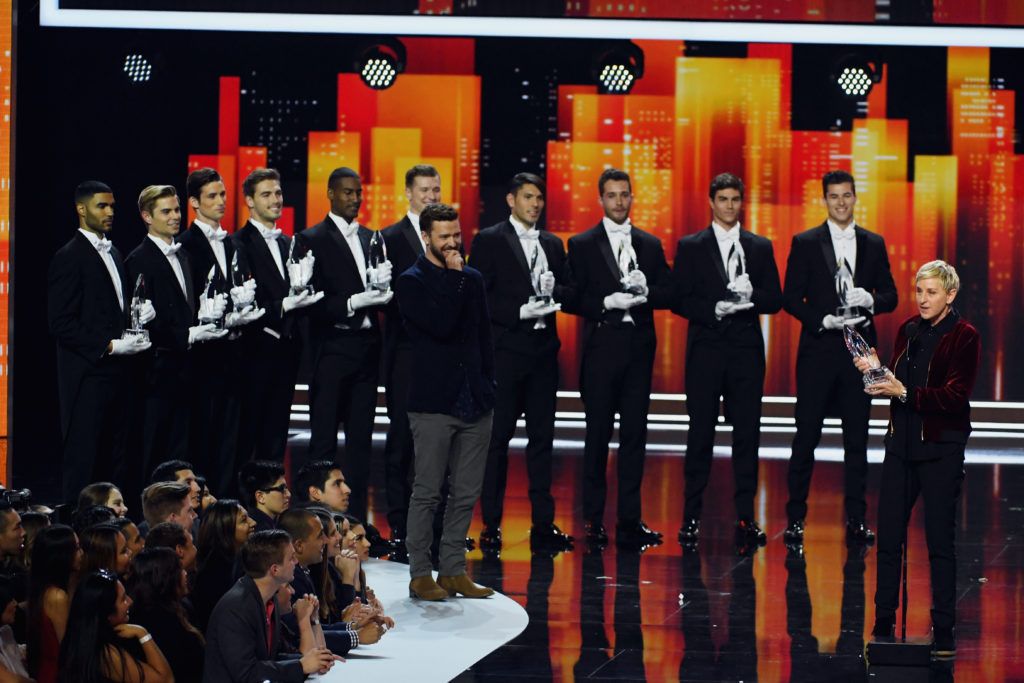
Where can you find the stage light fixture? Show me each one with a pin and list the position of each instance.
(379, 63)
(137, 68)
(617, 68)
(855, 77)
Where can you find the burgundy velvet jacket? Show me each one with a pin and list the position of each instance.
(944, 404)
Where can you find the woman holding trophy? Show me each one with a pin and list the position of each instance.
(934, 365)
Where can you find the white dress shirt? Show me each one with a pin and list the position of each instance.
(102, 246)
(215, 236)
(270, 236)
(622, 248)
(170, 252)
(845, 244)
(529, 240)
(729, 240)
(350, 232)
(414, 218)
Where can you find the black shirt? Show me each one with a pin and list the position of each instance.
(912, 370)
(183, 648)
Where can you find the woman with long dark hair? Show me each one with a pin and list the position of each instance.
(105, 648)
(56, 561)
(226, 526)
(157, 585)
(103, 493)
(104, 546)
(934, 365)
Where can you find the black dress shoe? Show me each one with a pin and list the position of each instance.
(747, 531)
(884, 630)
(794, 533)
(689, 533)
(858, 532)
(549, 536)
(490, 538)
(636, 534)
(944, 643)
(595, 533)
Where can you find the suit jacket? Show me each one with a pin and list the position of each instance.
(175, 309)
(336, 274)
(236, 641)
(84, 315)
(445, 312)
(810, 291)
(498, 255)
(593, 273)
(701, 282)
(404, 245)
(201, 259)
(256, 261)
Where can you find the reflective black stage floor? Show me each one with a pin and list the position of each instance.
(712, 615)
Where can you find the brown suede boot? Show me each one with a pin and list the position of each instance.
(425, 588)
(464, 585)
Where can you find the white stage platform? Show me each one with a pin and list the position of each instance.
(431, 641)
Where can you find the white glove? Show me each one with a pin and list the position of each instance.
(637, 281)
(367, 299)
(742, 286)
(547, 283)
(128, 347)
(300, 300)
(622, 301)
(537, 309)
(244, 294)
(212, 309)
(834, 322)
(201, 333)
(146, 312)
(307, 262)
(384, 272)
(724, 308)
(858, 296)
(243, 317)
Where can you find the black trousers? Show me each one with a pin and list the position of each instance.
(616, 377)
(96, 441)
(737, 376)
(821, 379)
(216, 400)
(526, 384)
(398, 448)
(938, 482)
(166, 410)
(269, 390)
(344, 391)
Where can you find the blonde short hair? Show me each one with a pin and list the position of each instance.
(941, 270)
(149, 196)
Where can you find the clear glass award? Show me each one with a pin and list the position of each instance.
(207, 302)
(844, 285)
(859, 348)
(628, 258)
(377, 254)
(137, 331)
(241, 296)
(535, 274)
(734, 268)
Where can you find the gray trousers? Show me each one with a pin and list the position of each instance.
(445, 443)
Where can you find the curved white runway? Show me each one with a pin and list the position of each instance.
(431, 641)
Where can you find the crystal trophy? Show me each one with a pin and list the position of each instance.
(377, 254)
(734, 268)
(208, 302)
(241, 295)
(844, 285)
(137, 331)
(535, 273)
(627, 254)
(860, 349)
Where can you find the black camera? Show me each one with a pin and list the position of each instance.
(19, 499)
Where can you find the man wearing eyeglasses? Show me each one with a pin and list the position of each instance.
(264, 491)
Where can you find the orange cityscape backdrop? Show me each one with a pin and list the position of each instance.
(673, 133)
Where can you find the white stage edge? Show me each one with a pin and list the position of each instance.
(431, 641)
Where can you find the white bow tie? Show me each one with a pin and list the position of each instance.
(529, 235)
(103, 245)
(846, 234)
(731, 236)
(350, 231)
(171, 249)
(270, 234)
(219, 234)
(617, 229)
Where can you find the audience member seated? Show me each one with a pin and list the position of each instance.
(12, 547)
(181, 472)
(243, 641)
(335, 587)
(167, 501)
(56, 561)
(264, 492)
(178, 539)
(12, 662)
(104, 647)
(304, 610)
(321, 482)
(132, 534)
(206, 497)
(103, 493)
(33, 523)
(104, 547)
(157, 586)
(358, 543)
(91, 516)
(226, 526)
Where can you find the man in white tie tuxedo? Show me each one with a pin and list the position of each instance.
(836, 257)
(168, 282)
(344, 334)
(218, 366)
(726, 278)
(87, 310)
(271, 347)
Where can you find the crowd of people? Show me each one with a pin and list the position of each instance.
(195, 589)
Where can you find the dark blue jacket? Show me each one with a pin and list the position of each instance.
(445, 314)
